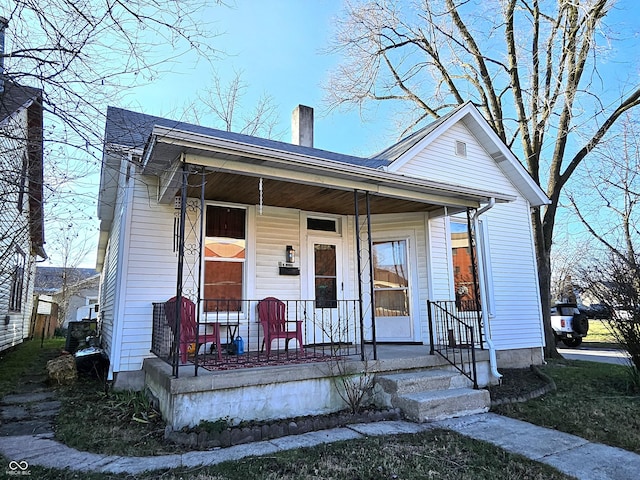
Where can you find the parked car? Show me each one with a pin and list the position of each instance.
(597, 311)
(569, 324)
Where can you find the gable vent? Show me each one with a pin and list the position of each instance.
(461, 149)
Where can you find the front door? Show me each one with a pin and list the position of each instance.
(391, 287)
(326, 288)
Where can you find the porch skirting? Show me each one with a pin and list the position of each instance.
(270, 393)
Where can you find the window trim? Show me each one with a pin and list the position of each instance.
(16, 287)
(241, 314)
(338, 219)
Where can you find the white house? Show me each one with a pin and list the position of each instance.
(375, 243)
(73, 290)
(21, 215)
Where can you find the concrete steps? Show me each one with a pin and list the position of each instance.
(433, 394)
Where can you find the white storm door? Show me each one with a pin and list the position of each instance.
(326, 288)
(391, 287)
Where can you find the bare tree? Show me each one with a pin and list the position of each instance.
(611, 217)
(532, 67)
(612, 273)
(71, 245)
(83, 55)
(221, 104)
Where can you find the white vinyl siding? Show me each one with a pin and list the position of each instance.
(439, 162)
(14, 232)
(440, 260)
(518, 317)
(109, 279)
(151, 269)
(517, 322)
(275, 229)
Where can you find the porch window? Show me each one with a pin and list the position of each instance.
(224, 258)
(391, 278)
(464, 283)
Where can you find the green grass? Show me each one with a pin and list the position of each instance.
(114, 423)
(125, 423)
(596, 401)
(599, 336)
(26, 359)
(434, 454)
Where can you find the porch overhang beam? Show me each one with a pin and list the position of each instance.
(169, 182)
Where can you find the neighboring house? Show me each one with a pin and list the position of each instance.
(21, 209)
(74, 291)
(227, 220)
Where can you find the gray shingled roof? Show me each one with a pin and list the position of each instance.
(50, 279)
(14, 97)
(133, 129)
(395, 151)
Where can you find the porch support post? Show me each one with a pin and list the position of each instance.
(358, 253)
(474, 271)
(198, 281)
(373, 301)
(183, 207)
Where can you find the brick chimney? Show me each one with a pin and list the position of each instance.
(302, 126)
(4, 23)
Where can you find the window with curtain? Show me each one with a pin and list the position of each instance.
(224, 258)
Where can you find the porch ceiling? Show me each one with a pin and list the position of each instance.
(243, 189)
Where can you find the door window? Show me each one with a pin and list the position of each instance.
(391, 278)
(326, 278)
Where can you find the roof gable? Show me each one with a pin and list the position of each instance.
(406, 149)
(14, 97)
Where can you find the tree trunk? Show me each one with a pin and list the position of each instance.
(543, 255)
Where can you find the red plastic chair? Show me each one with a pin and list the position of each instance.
(273, 317)
(189, 327)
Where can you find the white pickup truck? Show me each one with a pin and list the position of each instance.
(569, 324)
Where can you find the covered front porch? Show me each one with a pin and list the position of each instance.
(347, 250)
(247, 227)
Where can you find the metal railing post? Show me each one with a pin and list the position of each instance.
(429, 313)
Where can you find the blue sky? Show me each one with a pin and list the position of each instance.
(277, 45)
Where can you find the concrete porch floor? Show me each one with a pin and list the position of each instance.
(390, 357)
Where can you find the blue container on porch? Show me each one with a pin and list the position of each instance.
(239, 345)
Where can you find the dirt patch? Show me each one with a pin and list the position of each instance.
(520, 385)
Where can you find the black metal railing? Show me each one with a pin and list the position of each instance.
(453, 336)
(326, 333)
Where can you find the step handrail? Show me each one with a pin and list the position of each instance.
(452, 338)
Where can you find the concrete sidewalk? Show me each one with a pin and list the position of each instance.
(568, 453)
